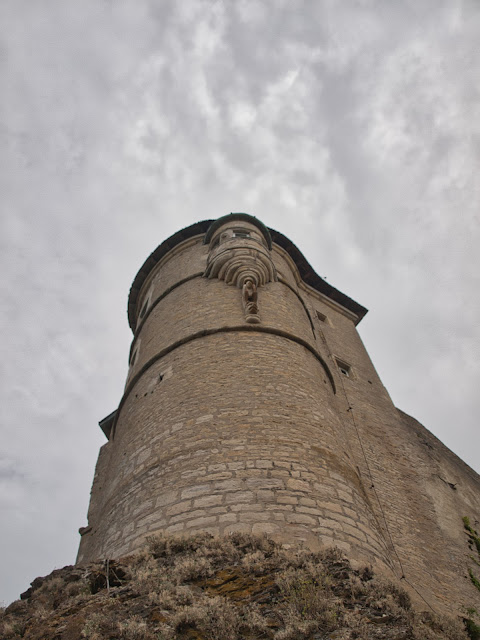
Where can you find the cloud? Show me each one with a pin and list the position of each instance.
(351, 128)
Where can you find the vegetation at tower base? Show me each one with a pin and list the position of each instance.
(206, 588)
(251, 405)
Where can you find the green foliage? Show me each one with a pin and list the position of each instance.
(473, 538)
(472, 628)
(474, 579)
(474, 542)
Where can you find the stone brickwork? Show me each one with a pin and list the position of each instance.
(233, 424)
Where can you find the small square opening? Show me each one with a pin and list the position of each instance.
(321, 316)
(344, 368)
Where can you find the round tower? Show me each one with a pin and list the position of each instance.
(230, 419)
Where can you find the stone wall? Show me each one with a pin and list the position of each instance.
(233, 424)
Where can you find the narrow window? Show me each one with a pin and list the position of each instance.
(344, 368)
(241, 233)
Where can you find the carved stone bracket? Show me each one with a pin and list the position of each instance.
(243, 263)
(249, 296)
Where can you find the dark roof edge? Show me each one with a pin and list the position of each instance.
(310, 277)
(306, 271)
(242, 217)
(107, 423)
(155, 257)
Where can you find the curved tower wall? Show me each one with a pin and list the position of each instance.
(228, 424)
(252, 405)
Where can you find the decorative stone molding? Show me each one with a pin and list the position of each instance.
(239, 256)
(249, 295)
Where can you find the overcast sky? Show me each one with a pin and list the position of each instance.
(352, 127)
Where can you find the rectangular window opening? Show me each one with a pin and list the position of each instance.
(344, 368)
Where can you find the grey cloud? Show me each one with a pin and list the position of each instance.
(351, 128)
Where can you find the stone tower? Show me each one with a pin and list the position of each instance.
(252, 405)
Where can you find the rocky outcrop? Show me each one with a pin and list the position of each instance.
(207, 588)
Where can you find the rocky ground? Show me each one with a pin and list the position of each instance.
(203, 588)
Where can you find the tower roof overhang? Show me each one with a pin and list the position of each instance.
(208, 227)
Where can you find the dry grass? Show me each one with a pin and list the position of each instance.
(203, 588)
(134, 629)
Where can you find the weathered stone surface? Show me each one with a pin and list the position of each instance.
(230, 426)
